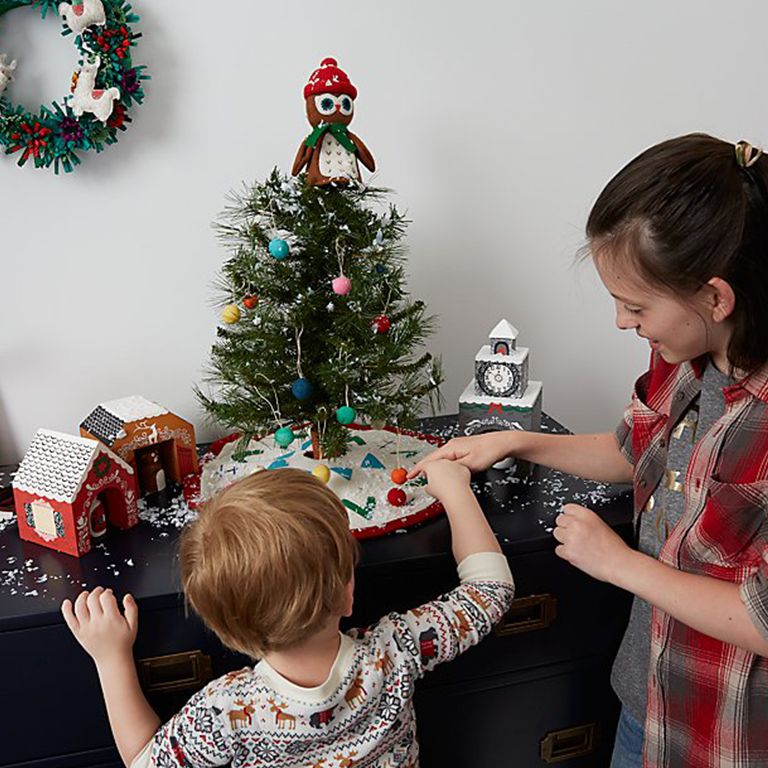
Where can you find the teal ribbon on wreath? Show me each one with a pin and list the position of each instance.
(9, 5)
(337, 130)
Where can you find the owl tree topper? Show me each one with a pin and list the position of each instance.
(331, 152)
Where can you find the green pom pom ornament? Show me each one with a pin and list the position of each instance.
(346, 414)
(284, 437)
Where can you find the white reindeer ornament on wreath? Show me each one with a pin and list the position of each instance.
(6, 72)
(82, 15)
(86, 98)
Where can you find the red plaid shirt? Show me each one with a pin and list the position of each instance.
(707, 700)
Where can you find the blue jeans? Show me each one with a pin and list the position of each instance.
(628, 747)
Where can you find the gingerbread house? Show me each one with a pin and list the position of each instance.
(69, 489)
(159, 445)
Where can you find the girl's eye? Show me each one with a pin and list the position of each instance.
(632, 310)
(326, 105)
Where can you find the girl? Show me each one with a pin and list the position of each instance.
(679, 238)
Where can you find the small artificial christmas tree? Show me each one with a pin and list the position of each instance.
(316, 326)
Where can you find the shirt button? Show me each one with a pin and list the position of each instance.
(663, 443)
(698, 483)
(679, 396)
(643, 483)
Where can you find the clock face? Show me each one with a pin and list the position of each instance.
(497, 379)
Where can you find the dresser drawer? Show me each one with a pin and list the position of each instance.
(559, 614)
(560, 715)
(56, 680)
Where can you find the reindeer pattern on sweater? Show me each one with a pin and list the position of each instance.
(362, 716)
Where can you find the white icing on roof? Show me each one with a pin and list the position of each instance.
(56, 465)
(504, 330)
(132, 408)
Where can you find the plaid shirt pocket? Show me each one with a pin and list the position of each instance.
(731, 535)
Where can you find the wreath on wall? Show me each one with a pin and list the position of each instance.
(103, 89)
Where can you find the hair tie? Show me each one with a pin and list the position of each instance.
(746, 154)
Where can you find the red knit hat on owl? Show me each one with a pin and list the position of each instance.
(328, 78)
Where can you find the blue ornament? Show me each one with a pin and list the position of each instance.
(381, 269)
(345, 414)
(302, 389)
(278, 248)
(284, 437)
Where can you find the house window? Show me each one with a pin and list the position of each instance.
(44, 518)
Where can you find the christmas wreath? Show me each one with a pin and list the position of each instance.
(102, 91)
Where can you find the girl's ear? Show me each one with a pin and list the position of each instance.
(723, 299)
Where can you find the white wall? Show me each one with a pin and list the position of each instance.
(496, 122)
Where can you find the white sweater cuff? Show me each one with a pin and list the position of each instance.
(485, 566)
(143, 759)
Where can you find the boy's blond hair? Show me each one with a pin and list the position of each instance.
(268, 560)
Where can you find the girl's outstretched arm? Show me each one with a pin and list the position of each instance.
(594, 457)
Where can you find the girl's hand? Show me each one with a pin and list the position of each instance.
(589, 543)
(97, 624)
(445, 477)
(477, 452)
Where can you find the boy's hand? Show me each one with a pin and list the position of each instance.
(97, 624)
(477, 452)
(445, 477)
(588, 543)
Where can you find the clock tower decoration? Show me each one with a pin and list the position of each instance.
(500, 396)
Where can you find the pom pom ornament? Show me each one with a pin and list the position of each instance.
(396, 497)
(321, 472)
(249, 302)
(284, 437)
(399, 476)
(346, 414)
(279, 248)
(302, 389)
(230, 314)
(342, 285)
(381, 324)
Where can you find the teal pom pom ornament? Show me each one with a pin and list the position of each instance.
(346, 414)
(284, 437)
(278, 248)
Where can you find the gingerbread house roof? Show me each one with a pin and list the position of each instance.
(56, 465)
(106, 421)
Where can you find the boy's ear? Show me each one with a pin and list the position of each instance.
(349, 598)
(723, 299)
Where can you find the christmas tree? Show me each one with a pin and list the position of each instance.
(317, 328)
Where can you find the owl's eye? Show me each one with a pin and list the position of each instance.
(347, 105)
(325, 103)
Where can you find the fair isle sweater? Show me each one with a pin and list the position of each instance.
(362, 715)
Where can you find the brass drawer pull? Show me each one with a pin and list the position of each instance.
(190, 670)
(528, 614)
(557, 746)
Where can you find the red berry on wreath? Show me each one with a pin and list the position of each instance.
(249, 302)
(399, 476)
(396, 497)
(381, 324)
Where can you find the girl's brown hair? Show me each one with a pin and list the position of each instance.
(685, 211)
(268, 560)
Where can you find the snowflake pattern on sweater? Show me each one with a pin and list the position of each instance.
(361, 716)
